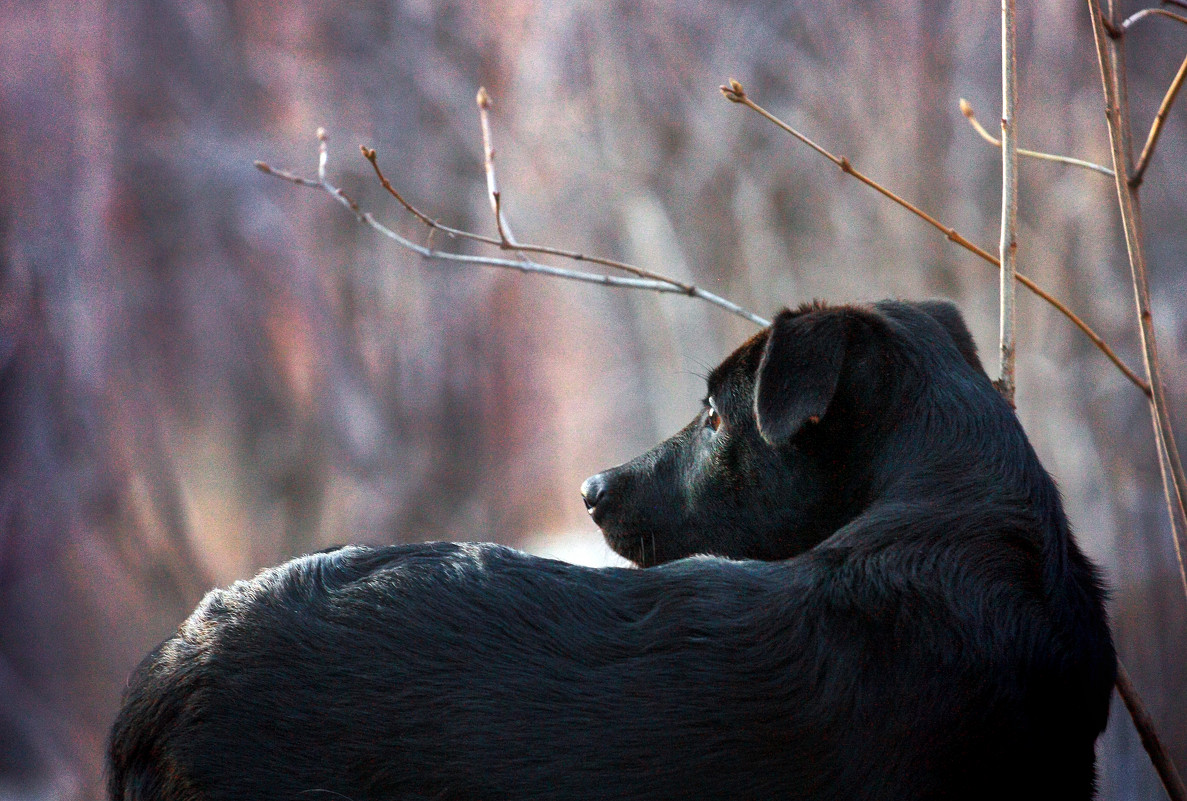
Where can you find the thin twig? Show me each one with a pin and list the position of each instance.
(452, 233)
(488, 161)
(659, 284)
(507, 240)
(457, 233)
(1179, 3)
(1146, 12)
(1008, 243)
(1149, 736)
(967, 110)
(1159, 118)
(322, 154)
(735, 93)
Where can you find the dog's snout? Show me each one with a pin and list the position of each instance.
(593, 490)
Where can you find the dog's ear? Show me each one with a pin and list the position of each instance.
(949, 316)
(797, 377)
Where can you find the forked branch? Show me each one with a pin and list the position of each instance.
(456, 233)
(642, 279)
(1149, 12)
(1106, 49)
(734, 92)
(1159, 118)
(1109, 57)
(967, 110)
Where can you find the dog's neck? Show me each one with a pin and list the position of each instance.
(990, 471)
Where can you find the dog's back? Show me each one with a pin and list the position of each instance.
(419, 672)
(425, 678)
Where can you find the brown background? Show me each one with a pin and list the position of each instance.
(204, 370)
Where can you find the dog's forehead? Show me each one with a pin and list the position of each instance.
(742, 364)
(892, 323)
(739, 367)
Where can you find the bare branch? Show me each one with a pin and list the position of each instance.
(1159, 118)
(507, 240)
(1111, 59)
(1149, 736)
(452, 233)
(1113, 31)
(1008, 243)
(1108, 54)
(736, 94)
(488, 160)
(284, 175)
(654, 284)
(456, 233)
(1146, 12)
(967, 110)
(322, 154)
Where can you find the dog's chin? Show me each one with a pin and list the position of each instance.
(639, 549)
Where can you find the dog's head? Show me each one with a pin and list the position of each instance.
(784, 451)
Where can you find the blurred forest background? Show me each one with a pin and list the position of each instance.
(204, 370)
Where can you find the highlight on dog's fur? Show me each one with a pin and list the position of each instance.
(921, 625)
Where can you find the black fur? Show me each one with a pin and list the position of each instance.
(933, 632)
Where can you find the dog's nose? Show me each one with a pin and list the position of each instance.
(593, 489)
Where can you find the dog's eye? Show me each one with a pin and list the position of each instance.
(712, 419)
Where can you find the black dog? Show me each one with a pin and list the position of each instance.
(938, 636)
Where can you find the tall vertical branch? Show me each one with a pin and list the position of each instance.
(1159, 756)
(1109, 56)
(1008, 244)
(1115, 74)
